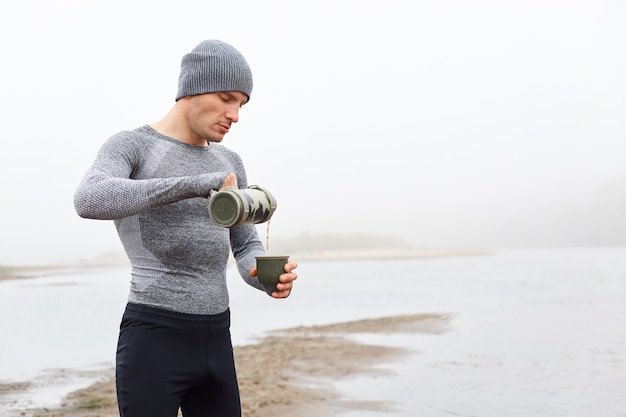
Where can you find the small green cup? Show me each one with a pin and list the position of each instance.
(269, 268)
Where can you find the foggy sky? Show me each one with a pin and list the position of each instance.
(481, 124)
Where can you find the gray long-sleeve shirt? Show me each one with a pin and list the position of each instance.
(155, 189)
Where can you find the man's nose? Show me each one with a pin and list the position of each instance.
(233, 115)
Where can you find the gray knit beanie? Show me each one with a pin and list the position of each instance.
(214, 66)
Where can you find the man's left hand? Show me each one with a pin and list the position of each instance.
(283, 288)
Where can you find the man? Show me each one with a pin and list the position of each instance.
(174, 347)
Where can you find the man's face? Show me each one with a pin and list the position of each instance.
(210, 116)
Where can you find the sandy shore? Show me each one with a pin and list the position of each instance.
(315, 356)
(309, 359)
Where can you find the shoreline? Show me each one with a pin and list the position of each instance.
(116, 260)
(312, 358)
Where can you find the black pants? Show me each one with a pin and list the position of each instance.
(166, 360)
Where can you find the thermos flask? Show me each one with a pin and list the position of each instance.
(231, 207)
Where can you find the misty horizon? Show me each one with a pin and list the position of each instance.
(482, 125)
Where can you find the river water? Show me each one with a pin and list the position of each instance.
(536, 332)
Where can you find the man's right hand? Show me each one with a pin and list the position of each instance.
(230, 181)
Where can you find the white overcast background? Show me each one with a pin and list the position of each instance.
(466, 124)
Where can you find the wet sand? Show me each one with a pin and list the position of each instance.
(287, 373)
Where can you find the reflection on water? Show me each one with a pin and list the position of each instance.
(533, 332)
(536, 333)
